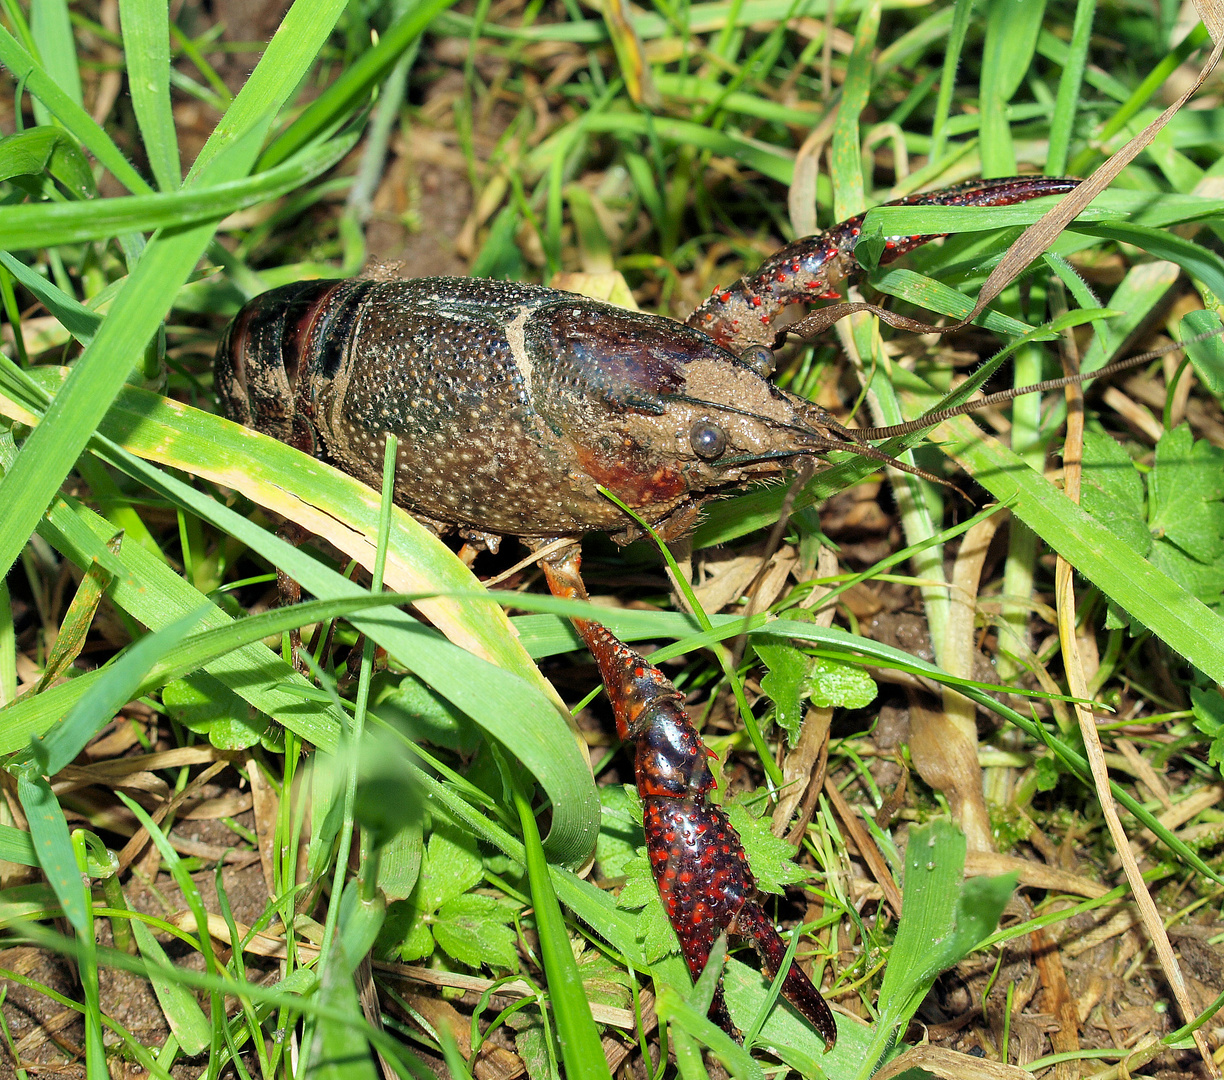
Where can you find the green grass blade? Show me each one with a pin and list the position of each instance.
(39, 225)
(849, 193)
(54, 445)
(195, 902)
(51, 30)
(349, 92)
(672, 1007)
(961, 15)
(146, 51)
(49, 452)
(1184, 623)
(179, 1006)
(17, 846)
(95, 697)
(1195, 259)
(1011, 39)
(68, 112)
(944, 919)
(115, 685)
(339, 1049)
(293, 48)
(581, 1049)
(1069, 87)
(75, 317)
(53, 846)
(155, 595)
(903, 220)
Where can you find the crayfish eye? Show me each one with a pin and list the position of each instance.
(760, 359)
(707, 440)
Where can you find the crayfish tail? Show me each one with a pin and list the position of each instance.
(797, 988)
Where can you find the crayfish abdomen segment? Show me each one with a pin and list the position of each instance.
(277, 347)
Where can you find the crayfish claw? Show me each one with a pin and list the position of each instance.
(797, 988)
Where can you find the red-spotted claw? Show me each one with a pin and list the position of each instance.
(695, 853)
(741, 316)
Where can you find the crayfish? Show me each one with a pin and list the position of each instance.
(514, 407)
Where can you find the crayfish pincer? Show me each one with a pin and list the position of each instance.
(515, 408)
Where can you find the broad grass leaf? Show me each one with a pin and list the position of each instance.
(339, 1049)
(53, 846)
(943, 920)
(179, 1005)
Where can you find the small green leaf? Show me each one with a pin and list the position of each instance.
(1206, 356)
(1047, 771)
(423, 715)
(654, 930)
(1208, 706)
(943, 920)
(452, 866)
(205, 705)
(1185, 487)
(71, 168)
(772, 859)
(1112, 491)
(474, 930)
(604, 981)
(838, 684)
(870, 247)
(784, 683)
(620, 832)
(406, 933)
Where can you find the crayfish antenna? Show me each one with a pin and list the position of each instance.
(797, 988)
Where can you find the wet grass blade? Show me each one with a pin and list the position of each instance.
(146, 51)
